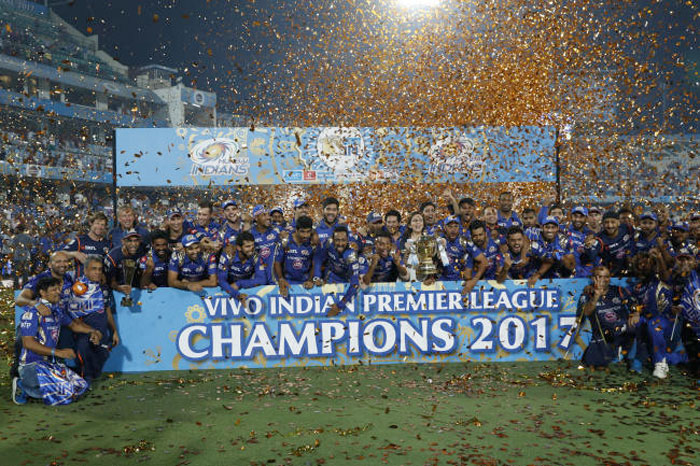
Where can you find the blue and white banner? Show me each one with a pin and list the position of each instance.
(170, 329)
(227, 156)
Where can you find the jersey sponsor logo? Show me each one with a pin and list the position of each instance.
(298, 264)
(271, 236)
(610, 316)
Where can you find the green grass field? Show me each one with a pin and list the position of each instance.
(471, 413)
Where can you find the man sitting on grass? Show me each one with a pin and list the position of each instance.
(40, 375)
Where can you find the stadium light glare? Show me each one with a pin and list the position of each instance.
(418, 3)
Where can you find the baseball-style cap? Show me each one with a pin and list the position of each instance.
(550, 219)
(683, 226)
(580, 210)
(649, 215)
(189, 240)
(173, 212)
(277, 209)
(131, 233)
(374, 217)
(611, 214)
(258, 209)
(230, 202)
(451, 219)
(595, 208)
(300, 202)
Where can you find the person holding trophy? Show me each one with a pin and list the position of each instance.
(122, 266)
(424, 254)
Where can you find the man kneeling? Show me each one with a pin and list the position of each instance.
(40, 374)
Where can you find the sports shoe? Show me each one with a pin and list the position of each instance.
(18, 395)
(660, 369)
(636, 366)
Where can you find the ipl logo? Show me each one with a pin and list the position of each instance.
(218, 156)
(455, 154)
(340, 149)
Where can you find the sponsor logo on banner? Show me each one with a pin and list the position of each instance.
(293, 175)
(218, 157)
(309, 175)
(455, 154)
(340, 149)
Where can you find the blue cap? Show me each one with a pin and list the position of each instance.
(174, 211)
(550, 219)
(259, 209)
(230, 202)
(580, 210)
(374, 217)
(649, 215)
(451, 219)
(277, 209)
(680, 226)
(189, 240)
(685, 250)
(130, 233)
(300, 202)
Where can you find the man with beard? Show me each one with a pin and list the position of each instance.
(506, 215)
(206, 228)
(91, 304)
(577, 229)
(266, 237)
(154, 265)
(330, 219)
(521, 258)
(232, 227)
(375, 224)
(58, 268)
(481, 244)
(191, 269)
(337, 262)
(678, 241)
(531, 229)
(240, 267)
(301, 208)
(94, 242)
(462, 255)
(121, 264)
(294, 258)
(385, 263)
(465, 210)
(558, 250)
(595, 220)
(175, 228)
(617, 244)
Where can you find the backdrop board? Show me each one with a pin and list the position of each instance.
(277, 155)
(170, 329)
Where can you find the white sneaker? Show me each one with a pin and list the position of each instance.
(660, 369)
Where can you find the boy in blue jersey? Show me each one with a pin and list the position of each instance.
(240, 267)
(385, 263)
(294, 258)
(40, 375)
(94, 242)
(93, 307)
(154, 265)
(191, 269)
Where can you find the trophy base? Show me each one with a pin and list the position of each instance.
(127, 301)
(426, 271)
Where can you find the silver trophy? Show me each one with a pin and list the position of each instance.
(129, 266)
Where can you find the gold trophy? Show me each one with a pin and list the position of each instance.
(426, 248)
(129, 266)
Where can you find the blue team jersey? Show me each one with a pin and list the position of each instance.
(655, 297)
(457, 251)
(86, 245)
(230, 234)
(493, 256)
(325, 231)
(386, 270)
(512, 220)
(159, 276)
(616, 250)
(641, 244)
(577, 237)
(211, 231)
(31, 285)
(93, 301)
(192, 270)
(336, 267)
(45, 329)
(523, 268)
(266, 243)
(117, 234)
(116, 262)
(244, 273)
(611, 312)
(690, 302)
(296, 260)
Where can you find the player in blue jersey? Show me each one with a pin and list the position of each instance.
(154, 265)
(488, 247)
(40, 375)
(385, 263)
(266, 237)
(175, 227)
(577, 230)
(329, 220)
(232, 226)
(521, 258)
(206, 226)
(558, 249)
(57, 268)
(678, 241)
(595, 220)
(655, 297)
(94, 242)
(375, 224)
(241, 267)
(191, 269)
(647, 236)
(464, 209)
(337, 262)
(507, 217)
(91, 303)
(277, 218)
(461, 254)
(617, 244)
(121, 264)
(294, 258)
(614, 322)
(126, 219)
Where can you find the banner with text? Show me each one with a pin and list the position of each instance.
(226, 156)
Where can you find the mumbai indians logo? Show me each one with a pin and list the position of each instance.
(340, 149)
(452, 154)
(218, 156)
